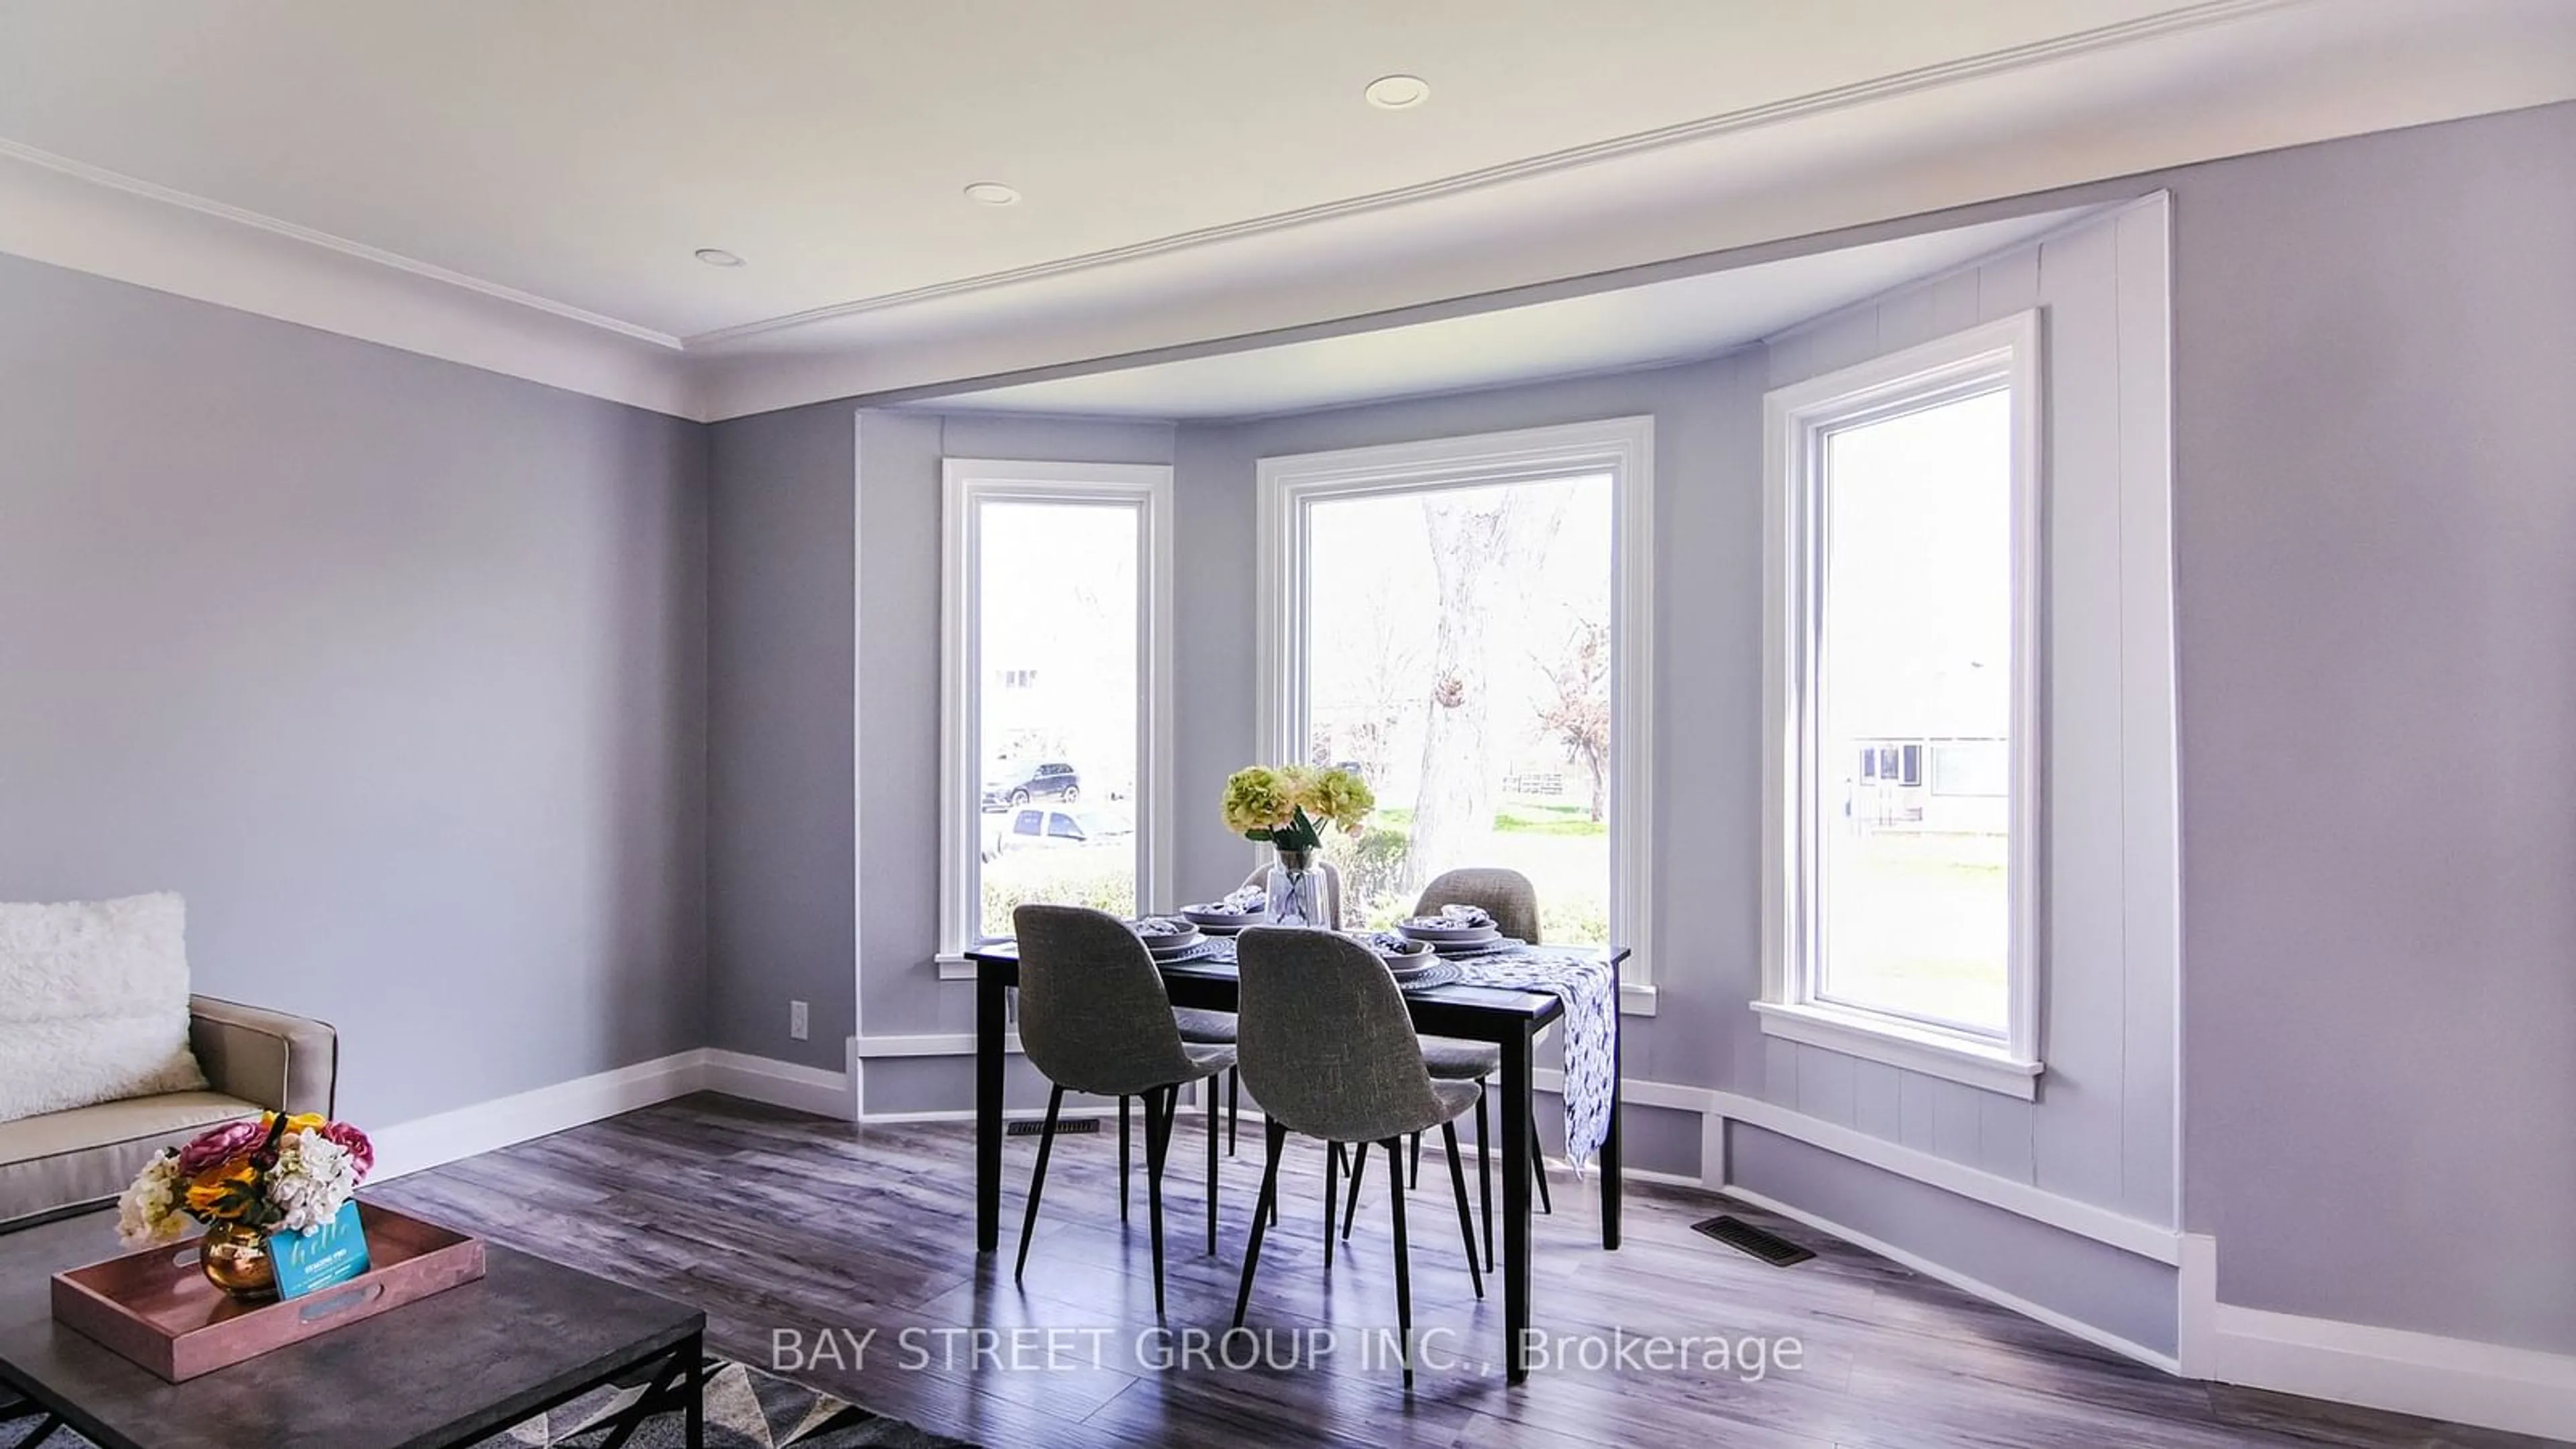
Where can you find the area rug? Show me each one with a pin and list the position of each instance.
(745, 1409)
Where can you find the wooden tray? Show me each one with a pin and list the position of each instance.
(156, 1307)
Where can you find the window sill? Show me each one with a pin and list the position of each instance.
(1916, 1049)
(954, 967)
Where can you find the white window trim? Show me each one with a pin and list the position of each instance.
(967, 483)
(1795, 420)
(1623, 448)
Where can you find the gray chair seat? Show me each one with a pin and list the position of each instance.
(1201, 1027)
(1452, 1060)
(1456, 1097)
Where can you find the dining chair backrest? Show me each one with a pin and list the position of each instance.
(1332, 888)
(1505, 895)
(1094, 1015)
(1324, 1040)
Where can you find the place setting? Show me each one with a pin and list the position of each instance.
(1458, 930)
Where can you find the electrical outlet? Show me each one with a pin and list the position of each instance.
(796, 1021)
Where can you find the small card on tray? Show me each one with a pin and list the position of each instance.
(321, 1257)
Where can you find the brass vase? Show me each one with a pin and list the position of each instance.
(235, 1259)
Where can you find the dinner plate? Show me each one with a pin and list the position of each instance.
(1478, 948)
(1450, 936)
(1199, 950)
(1217, 923)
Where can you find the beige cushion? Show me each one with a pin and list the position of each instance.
(93, 1004)
(89, 1154)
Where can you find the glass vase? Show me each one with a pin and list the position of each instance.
(1296, 889)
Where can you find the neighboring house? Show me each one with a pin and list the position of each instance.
(1923, 782)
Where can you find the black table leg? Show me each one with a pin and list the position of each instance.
(1516, 1202)
(694, 1420)
(1611, 1191)
(991, 1009)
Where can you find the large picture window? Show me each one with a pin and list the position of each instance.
(1056, 717)
(1465, 623)
(1903, 512)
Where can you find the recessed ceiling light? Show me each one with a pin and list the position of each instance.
(718, 257)
(992, 193)
(1398, 92)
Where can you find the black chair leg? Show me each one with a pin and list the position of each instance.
(1403, 1256)
(1466, 1218)
(1414, 1179)
(1485, 1175)
(1211, 1132)
(1260, 1219)
(1332, 1195)
(1122, 1158)
(1538, 1169)
(1233, 1107)
(1037, 1181)
(1160, 1105)
(1351, 1202)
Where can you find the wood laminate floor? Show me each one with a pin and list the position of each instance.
(787, 1229)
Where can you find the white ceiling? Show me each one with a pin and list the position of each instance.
(1687, 317)
(521, 186)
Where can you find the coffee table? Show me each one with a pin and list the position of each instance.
(445, 1371)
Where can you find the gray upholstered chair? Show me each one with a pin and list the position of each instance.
(1505, 895)
(1094, 1018)
(1512, 901)
(1330, 1051)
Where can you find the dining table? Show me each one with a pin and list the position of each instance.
(1510, 1017)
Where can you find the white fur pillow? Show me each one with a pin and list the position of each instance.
(93, 1003)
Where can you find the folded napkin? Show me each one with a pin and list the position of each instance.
(1453, 918)
(1252, 900)
(1157, 927)
(1389, 943)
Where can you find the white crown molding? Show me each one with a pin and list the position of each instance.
(257, 221)
(85, 220)
(1705, 128)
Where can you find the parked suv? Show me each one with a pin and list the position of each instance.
(1052, 780)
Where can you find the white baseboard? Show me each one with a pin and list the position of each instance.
(1963, 1282)
(2490, 1385)
(780, 1084)
(427, 1142)
(444, 1137)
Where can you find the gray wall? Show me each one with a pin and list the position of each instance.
(2376, 354)
(780, 857)
(396, 669)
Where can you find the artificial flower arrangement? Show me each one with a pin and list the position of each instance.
(1284, 805)
(270, 1174)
